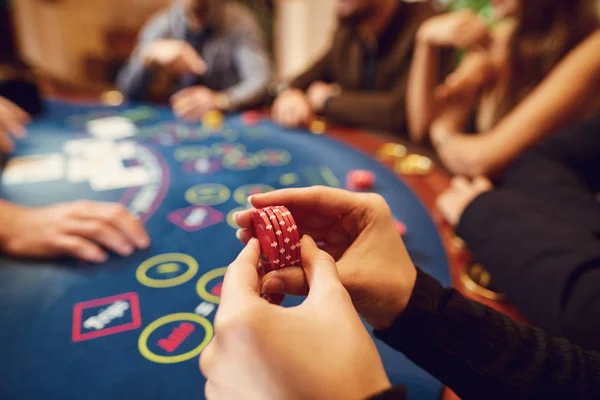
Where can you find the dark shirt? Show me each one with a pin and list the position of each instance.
(483, 354)
(373, 81)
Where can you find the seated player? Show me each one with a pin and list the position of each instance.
(524, 80)
(361, 80)
(321, 350)
(539, 233)
(209, 54)
(83, 229)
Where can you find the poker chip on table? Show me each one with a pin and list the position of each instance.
(401, 228)
(318, 126)
(251, 117)
(277, 233)
(391, 152)
(213, 119)
(414, 164)
(359, 179)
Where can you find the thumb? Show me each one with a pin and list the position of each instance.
(319, 267)
(241, 280)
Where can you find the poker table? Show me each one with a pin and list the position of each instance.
(134, 327)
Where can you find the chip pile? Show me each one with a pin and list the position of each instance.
(278, 235)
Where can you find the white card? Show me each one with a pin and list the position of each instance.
(30, 169)
(127, 177)
(111, 128)
(126, 149)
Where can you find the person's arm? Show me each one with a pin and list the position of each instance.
(554, 103)
(253, 66)
(481, 353)
(383, 110)
(135, 79)
(319, 71)
(423, 78)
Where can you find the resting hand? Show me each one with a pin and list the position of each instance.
(318, 93)
(461, 29)
(81, 229)
(12, 121)
(358, 230)
(292, 109)
(190, 104)
(175, 55)
(319, 349)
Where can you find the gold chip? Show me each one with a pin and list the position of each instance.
(414, 164)
(391, 152)
(318, 126)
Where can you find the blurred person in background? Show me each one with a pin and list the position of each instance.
(206, 54)
(361, 80)
(530, 75)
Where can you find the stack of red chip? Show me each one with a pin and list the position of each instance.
(276, 230)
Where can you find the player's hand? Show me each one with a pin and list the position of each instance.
(292, 109)
(82, 229)
(190, 104)
(454, 200)
(319, 349)
(318, 93)
(12, 121)
(358, 230)
(472, 76)
(462, 154)
(175, 55)
(462, 29)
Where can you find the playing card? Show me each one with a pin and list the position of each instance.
(37, 168)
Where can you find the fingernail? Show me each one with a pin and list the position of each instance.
(238, 233)
(143, 242)
(251, 241)
(97, 257)
(250, 198)
(235, 216)
(274, 286)
(125, 249)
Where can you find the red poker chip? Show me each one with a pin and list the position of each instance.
(293, 243)
(360, 179)
(266, 237)
(251, 117)
(280, 261)
(288, 237)
(293, 228)
(401, 228)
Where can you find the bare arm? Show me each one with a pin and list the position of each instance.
(423, 78)
(556, 102)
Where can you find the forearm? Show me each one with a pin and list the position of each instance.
(423, 78)
(319, 71)
(135, 79)
(255, 71)
(7, 213)
(554, 103)
(481, 353)
(377, 110)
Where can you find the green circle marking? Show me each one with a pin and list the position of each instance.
(210, 194)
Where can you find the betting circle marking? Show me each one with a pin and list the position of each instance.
(145, 335)
(210, 194)
(288, 179)
(274, 157)
(142, 271)
(241, 194)
(191, 153)
(203, 281)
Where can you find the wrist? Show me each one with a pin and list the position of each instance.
(9, 215)
(394, 294)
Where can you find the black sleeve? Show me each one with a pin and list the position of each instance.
(395, 393)
(483, 354)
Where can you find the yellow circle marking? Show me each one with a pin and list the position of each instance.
(145, 335)
(203, 281)
(288, 179)
(210, 194)
(142, 272)
(241, 194)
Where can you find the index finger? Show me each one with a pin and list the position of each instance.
(241, 279)
(326, 201)
(183, 93)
